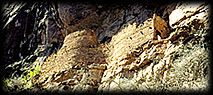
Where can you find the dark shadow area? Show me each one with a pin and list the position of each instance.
(24, 28)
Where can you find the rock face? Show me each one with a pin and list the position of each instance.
(128, 48)
(187, 13)
(79, 61)
(131, 51)
(32, 33)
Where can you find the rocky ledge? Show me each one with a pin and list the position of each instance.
(124, 48)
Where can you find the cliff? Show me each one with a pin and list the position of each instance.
(108, 47)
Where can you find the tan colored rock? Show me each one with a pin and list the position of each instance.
(188, 12)
(161, 26)
(151, 70)
(122, 46)
(78, 59)
(135, 58)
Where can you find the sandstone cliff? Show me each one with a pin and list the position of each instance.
(111, 48)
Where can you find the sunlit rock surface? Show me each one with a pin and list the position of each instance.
(127, 48)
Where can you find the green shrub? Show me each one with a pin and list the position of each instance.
(30, 74)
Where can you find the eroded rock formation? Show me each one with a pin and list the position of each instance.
(131, 47)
